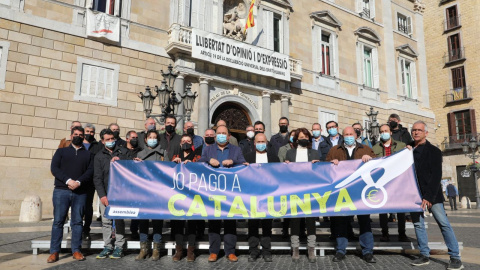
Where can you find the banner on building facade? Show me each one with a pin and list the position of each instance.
(232, 53)
(166, 190)
(101, 25)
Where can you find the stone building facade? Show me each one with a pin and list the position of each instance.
(453, 75)
(87, 60)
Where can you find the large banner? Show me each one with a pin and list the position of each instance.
(232, 53)
(165, 190)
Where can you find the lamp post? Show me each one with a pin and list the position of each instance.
(472, 146)
(372, 127)
(168, 99)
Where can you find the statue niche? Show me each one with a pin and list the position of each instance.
(235, 14)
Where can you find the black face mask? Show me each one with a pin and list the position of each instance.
(358, 132)
(283, 129)
(190, 131)
(77, 141)
(134, 143)
(303, 142)
(116, 134)
(186, 146)
(393, 124)
(209, 140)
(170, 129)
(89, 137)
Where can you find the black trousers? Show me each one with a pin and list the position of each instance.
(88, 210)
(178, 230)
(229, 236)
(254, 236)
(295, 225)
(453, 202)
(342, 225)
(401, 223)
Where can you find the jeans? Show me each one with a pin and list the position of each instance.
(157, 226)
(341, 225)
(62, 200)
(119, 240)
(448, 235)
(229, 236)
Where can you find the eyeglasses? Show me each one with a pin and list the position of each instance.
(418, 130)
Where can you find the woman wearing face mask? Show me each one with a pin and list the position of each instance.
(152, 152)
(186, 155)
(302, 152)
(282, 152)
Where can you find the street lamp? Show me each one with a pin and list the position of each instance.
(372, 127)
(472, 146)
(168, 99)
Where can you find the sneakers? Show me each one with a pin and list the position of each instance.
(455, 264)
(105, 253)
(117, 253)
(421, 260)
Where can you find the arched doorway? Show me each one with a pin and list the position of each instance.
(235, 116)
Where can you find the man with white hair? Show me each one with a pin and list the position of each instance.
(188, 128)
(149, 125)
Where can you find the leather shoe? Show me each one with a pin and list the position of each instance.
(369, 258)
(213, 257)
(77, 255)
(232, 258)
(53, 257)
(338, 257)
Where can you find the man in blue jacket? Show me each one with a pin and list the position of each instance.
(222, 154)
(333, 139)
(72, 167)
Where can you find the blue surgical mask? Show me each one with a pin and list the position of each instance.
(221, 138)
(291, 139)
(385, 136)
(110, 145)
(349, 140)
(333, 132)
(316, 133)
(261, 146)
(152, 143)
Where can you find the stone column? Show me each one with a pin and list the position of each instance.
(285, 99)
(266, 113)
(203, 106)
(179, 87)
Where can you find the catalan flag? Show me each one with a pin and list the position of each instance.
(250, 22)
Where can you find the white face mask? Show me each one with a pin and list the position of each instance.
(250, 134)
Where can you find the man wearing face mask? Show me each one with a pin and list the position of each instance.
(89, 140)
(247, 144)
(222, 154)
(72, 168)
(363, 140)
(65, 142)
(281, 138)
(350, 150)
(150, 124)
(317, 137)
(188, 128)
(170, 140)
(115, 128)
(399, 133)
(260, 155)
(90, 144)
(110, 152)
(384, 148)
(333, 139)
(231, 140)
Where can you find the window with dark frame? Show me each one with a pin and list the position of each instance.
(452, 17)
(325, 54)
(105, 6)
(276, 33)
(462, 125)
(458, 78)
(454, 47)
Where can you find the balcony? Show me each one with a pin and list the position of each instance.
(458, 94)
(454, 55)
(452, 23)
(455, 142)
(180, 41)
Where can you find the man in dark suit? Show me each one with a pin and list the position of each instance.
(281, 138)
(334, 138)
(170, 140)
(428, 166)
(222, 154)
(260, 155)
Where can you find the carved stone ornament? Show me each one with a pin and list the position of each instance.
(235, 14)
(419, 6)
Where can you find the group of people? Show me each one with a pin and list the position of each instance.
(81, 166)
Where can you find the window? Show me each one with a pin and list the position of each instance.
(96, 82)
(462, 125)
(4, 46)
(367, 67)
(201, 14)
(408, 78)
(273, 31)
(276, 33)
(325, 115)
(455, 51)
(404, 24)
(324, 47)
(366, 8)
(458, 78)
(111, 7)
(452, 18)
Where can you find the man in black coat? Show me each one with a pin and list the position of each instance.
(399, 133)
(428, 166)
(72, 167)
(170, 140)
(247, 144)
(260, 155)
(281, 138)
(334, 138)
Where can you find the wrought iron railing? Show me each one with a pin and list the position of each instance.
(454, 55)
(366, 12)
(455, 142)
(458, 94)
(452, 22)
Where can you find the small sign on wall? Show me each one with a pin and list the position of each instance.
(101, 25)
